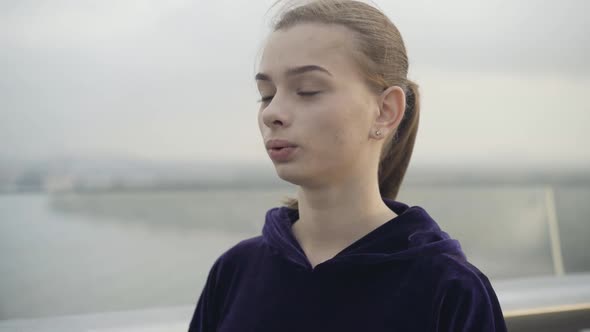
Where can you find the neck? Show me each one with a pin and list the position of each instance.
(333, 217)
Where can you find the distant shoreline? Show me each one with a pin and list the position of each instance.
(227, 177)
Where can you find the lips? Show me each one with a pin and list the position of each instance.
(281, 150)
(283, 154)
(277, 144)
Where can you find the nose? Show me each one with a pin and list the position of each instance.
(275, 115)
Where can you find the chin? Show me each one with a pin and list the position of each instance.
(291, 173)
(301, 176)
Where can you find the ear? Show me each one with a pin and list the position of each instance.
(392, 104)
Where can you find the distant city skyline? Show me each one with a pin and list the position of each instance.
(502, 83)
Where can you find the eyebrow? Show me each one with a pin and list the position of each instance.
(294, 71)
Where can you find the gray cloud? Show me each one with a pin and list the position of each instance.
(173, 79)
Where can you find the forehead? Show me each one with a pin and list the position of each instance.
(329, 46)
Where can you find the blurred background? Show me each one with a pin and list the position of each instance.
(130, 156)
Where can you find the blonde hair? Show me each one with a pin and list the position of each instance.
(381, 55)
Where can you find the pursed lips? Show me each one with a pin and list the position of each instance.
(277, 144)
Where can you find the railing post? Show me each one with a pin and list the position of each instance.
(554, 232)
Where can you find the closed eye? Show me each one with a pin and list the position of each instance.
(307, 93)
(265, 99)
(301, 93)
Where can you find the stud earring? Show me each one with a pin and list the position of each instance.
(378, 132)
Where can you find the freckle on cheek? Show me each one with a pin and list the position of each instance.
(338, 138)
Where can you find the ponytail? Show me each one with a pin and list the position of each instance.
(397, 152)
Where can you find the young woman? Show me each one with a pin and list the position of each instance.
(339, 118)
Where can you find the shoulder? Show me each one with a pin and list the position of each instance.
(454, 274)
(457, 269)
(464, 297)
(245, 247)
(241, 252)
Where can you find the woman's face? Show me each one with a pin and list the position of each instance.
(314, 96)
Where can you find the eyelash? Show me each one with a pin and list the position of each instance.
(301, 93)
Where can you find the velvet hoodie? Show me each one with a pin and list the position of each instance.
(405, 275)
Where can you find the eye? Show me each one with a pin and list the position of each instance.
(265, 99)
(307, 93)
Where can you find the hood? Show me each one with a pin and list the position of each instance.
(410, 234)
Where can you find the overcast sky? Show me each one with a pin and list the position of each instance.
(503, 82)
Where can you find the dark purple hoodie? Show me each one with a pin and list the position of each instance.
(405, 275)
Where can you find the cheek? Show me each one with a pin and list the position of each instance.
(339, 131)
